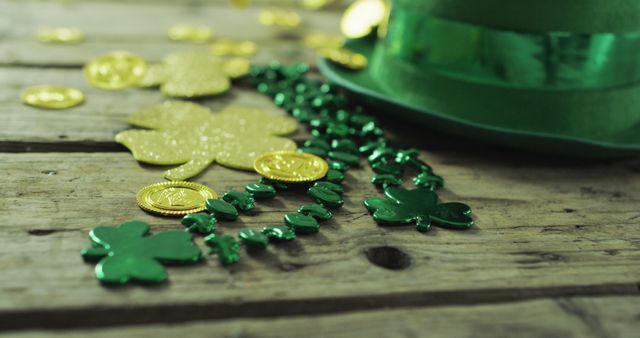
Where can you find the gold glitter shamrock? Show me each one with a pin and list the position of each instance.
(190, 134)
(195, 74)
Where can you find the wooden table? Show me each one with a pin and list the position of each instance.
(555, 253)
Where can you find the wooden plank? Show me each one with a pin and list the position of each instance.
(578, 317)
(542, 231)
(141, 29)
(93, 124)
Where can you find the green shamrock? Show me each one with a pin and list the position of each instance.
(126, 252)
(419, 206)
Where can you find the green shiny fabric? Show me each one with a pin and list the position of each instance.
(565, 82)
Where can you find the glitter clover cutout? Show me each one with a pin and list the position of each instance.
(419, 206)
(191, 135)
(194, 74)
(126, 253)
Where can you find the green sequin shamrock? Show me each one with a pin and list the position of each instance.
(126, 252)
(419, 206)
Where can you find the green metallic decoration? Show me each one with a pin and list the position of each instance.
(275, 184)
(302, 224)
(348, 158)
(261, 191)
(326, 197)
(386, 180)
(344, 145)
(389, 168)
(334, 176)
(200, 223)
(428, 180)
(241, 200)
(339, 166)
(317, 143)
(419, 206)
(330, 186)
(279, 233)
(225, 246)
(252, 238)
(316, 211)
(128, 252)
(221, 209)
(314, 151)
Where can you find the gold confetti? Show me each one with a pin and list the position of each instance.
(60, 35)
(360, 18)
(226, 47)
(195, 34)
(345, 58)
(280, 18)
(52, 97)
(194, 74)
(320, 41)
(315, 5)
(117, 70)
(191, 135)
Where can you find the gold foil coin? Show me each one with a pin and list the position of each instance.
(187, 33)
(52, 97)
(117, 70)
(60, 35)
(345, 58)
(175, 198)
(279, 18)
(361, 17)
(321, 41)
(227, 47)
(291, 166)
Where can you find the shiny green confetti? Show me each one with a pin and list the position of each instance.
(200, 223)
(252, 238)
(225, 246)
(428, 180)
(316, 211)
(279, 233)
(221, 209)
(261, 191)
(334, 176)
(386, 180)
(419, 206)
(241, 200)
(302, 224)
(128, 252)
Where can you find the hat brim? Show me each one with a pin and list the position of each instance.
(362, 84)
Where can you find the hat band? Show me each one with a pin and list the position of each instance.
(540, 60)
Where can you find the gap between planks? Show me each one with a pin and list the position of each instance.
(189, 312)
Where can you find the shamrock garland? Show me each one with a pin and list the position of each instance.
(126, 252)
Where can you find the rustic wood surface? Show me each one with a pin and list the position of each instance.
(555, 253)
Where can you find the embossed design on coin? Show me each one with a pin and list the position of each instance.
(176, 198)
(288, 166)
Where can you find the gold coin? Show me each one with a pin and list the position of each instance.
(345, 58)
(196, 34)
(117, 70)
(291, 166)
(154, 76)
(320, 41)
(52, 97)
(236, 67)
(61, 35)
(315, 5)
(280, 18)
(361, 17)
(226, 47)
(175, 198)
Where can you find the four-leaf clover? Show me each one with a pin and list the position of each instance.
(125, 253)
(419, 206)
(190, 134)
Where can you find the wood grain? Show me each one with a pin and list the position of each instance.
(141, 28)
(542, 231)
(577, 317)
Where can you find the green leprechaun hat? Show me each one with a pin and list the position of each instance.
(559, 76)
